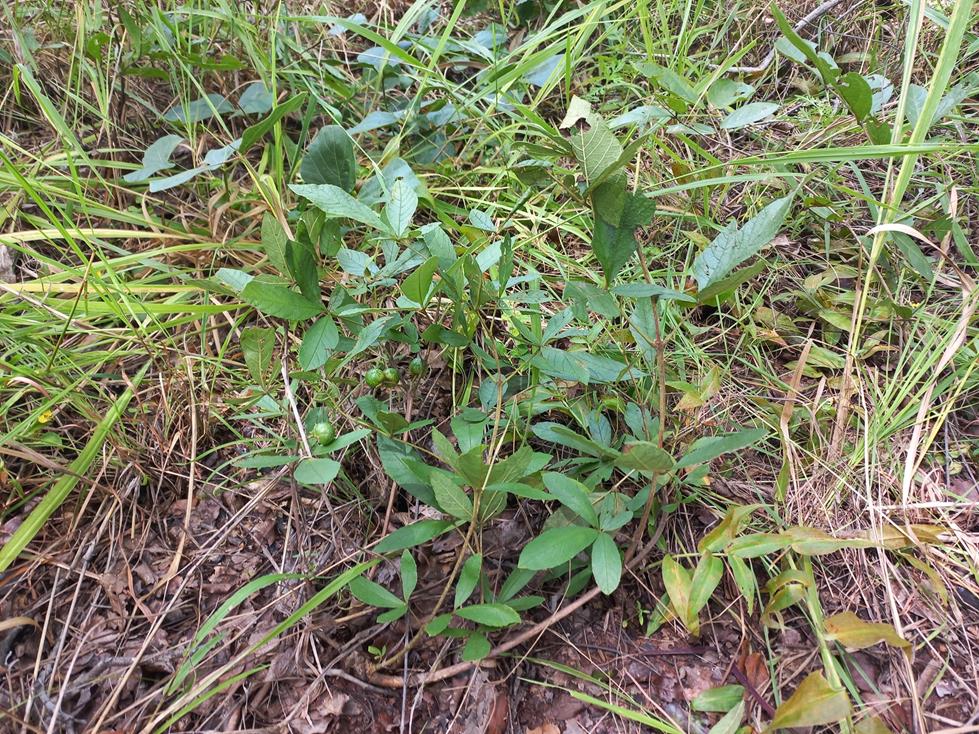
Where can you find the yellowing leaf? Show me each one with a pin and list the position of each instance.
(855, 634)
(814, 702)
(677, 581)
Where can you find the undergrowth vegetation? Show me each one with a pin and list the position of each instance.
(396, 338)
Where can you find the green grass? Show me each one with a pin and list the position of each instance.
(136, 365)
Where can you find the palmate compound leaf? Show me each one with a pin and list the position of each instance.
(734, 245)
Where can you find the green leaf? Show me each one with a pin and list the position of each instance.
(256, 132)
(856, 93)
(258, 347)
(330, 160)
(397, 458)
(337, 203)
(705, 579)
(418, 286)
(490, 615)
(564, 436)
(710, 447)
(720, 699)
(748, 114)
(645, 457)
(374, 594)
(651, 290)
(318, 343)
(279, 301)
(572, 494)
(317, 471)
(732, 246)
(757, 545)
(718, 538)
(556, 547)
(606, 564)
(617, 212)
(409, 575)
(199, 110)
(156, 158)
(814, 703)
(477, 647)
(392, 614)
(726, 93)
(256, 99)
(401, 206)
(302, 266)
(730, 723)
(827, 70)
(468, 578)
(744, 577)
(274, 242)
(672, 82)
(412, 535)
(856, 634)
(451, 498)
(596, 148)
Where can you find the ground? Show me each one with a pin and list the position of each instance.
(184, 550)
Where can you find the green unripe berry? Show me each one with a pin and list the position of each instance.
(323, 433)
(417, 366)
(374, 377)
(392, 376)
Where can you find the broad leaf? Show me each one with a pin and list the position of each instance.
(733, 246)
(730, 723)
(373, 594)
(412, 535)
(556, 547)
(451, 498)
(330, 160)
(572, 494)
(856, 634)
(606, 564)
(409, 575)
(710, 447)
(258, 347)
(156, 158)
(318, 343)
(256, 132)
(645, 457)
(720, 699)
(317, 471)
(418, 286)
(256, 99)
(279, 301)
(677, 581)
(705, 579)
(200, 109)
(814, 703)
(468, 578)
(490, 615)
(857, 94)
(337, 203)
(401, 206)
(749, 114)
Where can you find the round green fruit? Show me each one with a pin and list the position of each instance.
(323, 433)
(392, 376)
(374, 377)
(417, 366)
